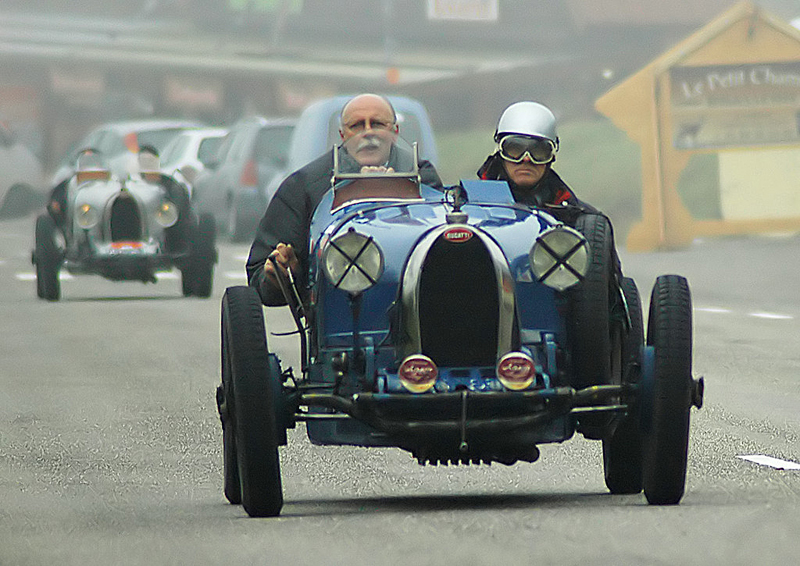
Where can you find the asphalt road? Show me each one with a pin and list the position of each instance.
(110, 446)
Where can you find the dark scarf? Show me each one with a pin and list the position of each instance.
(548, 191)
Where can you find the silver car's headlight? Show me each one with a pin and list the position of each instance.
(352, 262)
(87, 216)
(167, 214)
(560, 257)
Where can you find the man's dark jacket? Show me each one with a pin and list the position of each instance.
(288, 218)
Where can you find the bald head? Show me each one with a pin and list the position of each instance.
(374, 102)
(368, 128)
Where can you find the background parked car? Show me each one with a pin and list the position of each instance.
(186, 156)
(120, 141)
(235, 185)
(317, 131)
(21, 178)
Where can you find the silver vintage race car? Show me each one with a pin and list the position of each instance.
(122, 229)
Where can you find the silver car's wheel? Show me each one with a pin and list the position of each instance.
(47, 258)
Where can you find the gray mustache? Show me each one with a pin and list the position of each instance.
(369, 143)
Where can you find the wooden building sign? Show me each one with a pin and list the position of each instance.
(733, 89)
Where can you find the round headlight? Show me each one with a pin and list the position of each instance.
(87, 216)
(418, 373)
(560, 257)
(516, 370)
(352, 262)
(167, 214)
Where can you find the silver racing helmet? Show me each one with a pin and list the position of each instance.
(527, 119)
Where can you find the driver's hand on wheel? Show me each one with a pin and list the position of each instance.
(376, 169)
(285, 258)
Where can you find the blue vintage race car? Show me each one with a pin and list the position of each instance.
(465, 329)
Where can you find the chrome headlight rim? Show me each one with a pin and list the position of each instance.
(353, 262)
(559, 258)
(166, 214)
(87, 216)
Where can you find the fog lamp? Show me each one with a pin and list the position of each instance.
(352, 262)
(418, 373)
(87, 216)
(166, 214)
(516, 371)
(560, 257)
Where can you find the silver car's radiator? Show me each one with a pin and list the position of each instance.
(125, 219)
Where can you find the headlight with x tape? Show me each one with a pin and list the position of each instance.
(352, 262)
(560, 257)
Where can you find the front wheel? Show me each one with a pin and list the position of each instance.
(668, 391)
(254, 405)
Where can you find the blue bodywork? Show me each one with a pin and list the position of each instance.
(366, 327)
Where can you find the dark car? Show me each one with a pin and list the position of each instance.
(21, 178)
(465, 329)
(235, 187)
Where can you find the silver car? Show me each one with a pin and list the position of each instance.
(189, 153)
(122, 229)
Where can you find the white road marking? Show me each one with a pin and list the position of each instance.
(167, 275)
(771, 462)
(715, 310)
(235, 274)
(756, 314)
(31, 276)
(771, 315)
(241, 257)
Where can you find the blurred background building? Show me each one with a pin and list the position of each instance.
(68, 65)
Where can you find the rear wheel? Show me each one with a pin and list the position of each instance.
(622, 447)
(666, 421)
(47, 258)
(594, 340)
(254, 406)
(590, 331)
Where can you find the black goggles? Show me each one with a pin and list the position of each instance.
(538, 150)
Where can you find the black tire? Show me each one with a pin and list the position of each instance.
(634, 340)
(622, 448)
(47, 258)
(230, 463)
(589, 325)
(622, 456)
(198, 277)
(666, 438)
(252, 381)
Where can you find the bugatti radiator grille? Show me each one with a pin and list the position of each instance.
(458, 307)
